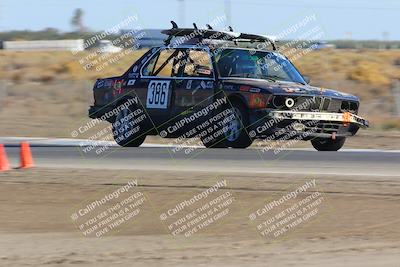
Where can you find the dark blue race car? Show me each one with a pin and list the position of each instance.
(225, 89)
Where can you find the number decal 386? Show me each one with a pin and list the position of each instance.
(158, 94)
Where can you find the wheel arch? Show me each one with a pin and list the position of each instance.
(119, 102)
(239, 98)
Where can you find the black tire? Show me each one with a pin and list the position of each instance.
(234, 132)
(236, 136)
(125, 132)
(327, 144)
(215, 139)
(213, 142)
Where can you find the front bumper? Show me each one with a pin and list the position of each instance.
(304, 124)
(345, 118)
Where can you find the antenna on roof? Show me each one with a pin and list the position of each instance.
(231, 30)
(209, 26)
(174, 25)
(167, 41)
(200, 33)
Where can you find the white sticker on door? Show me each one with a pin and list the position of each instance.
(158, 94)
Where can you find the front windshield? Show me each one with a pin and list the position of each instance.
(257, 64)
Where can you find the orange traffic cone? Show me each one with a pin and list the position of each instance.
(26, 156)
(4, 164)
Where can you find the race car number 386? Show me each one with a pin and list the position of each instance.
(158, 94)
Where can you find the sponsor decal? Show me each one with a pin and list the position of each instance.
(244, 88)
(254, 90)
(145, 59)
(204, 71)
(210, 85)
(202, 85)
(292, 89)
(199, 85)
(189, 84)
(108, 83)
(133, 75)
(229, 87)
(100, 84)
(118, 84)
(117, 87)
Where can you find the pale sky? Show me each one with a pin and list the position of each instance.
(339, 19)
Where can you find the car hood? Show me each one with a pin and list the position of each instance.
(290, 88)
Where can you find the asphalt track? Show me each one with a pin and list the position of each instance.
(158, 157)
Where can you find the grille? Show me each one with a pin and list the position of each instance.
(302, 103)
(315, 103)
(312, 103)
(349, 106)
(334, 105)
(326, 104)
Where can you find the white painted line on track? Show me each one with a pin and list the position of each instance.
(43, 141)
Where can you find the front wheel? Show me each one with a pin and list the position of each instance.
(233, 132)
(326, 144)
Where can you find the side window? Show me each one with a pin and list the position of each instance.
(148, 69)
(164, 64)
(198, 64)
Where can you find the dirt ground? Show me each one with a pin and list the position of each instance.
(355, 220)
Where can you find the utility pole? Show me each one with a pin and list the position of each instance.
(396, 96)
(3, 93)
(385, 40)
(227, 7)
(181, 13)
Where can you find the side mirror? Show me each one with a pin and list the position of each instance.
(306, 79)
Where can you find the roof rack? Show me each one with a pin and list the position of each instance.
(210, 33)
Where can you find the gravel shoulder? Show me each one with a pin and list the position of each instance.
(357, 223)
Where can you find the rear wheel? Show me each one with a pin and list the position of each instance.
(326, 144)
(126, 133)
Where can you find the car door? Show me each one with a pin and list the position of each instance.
(194, 88)
(158, 79)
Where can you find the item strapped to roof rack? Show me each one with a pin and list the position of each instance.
(210, 33)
